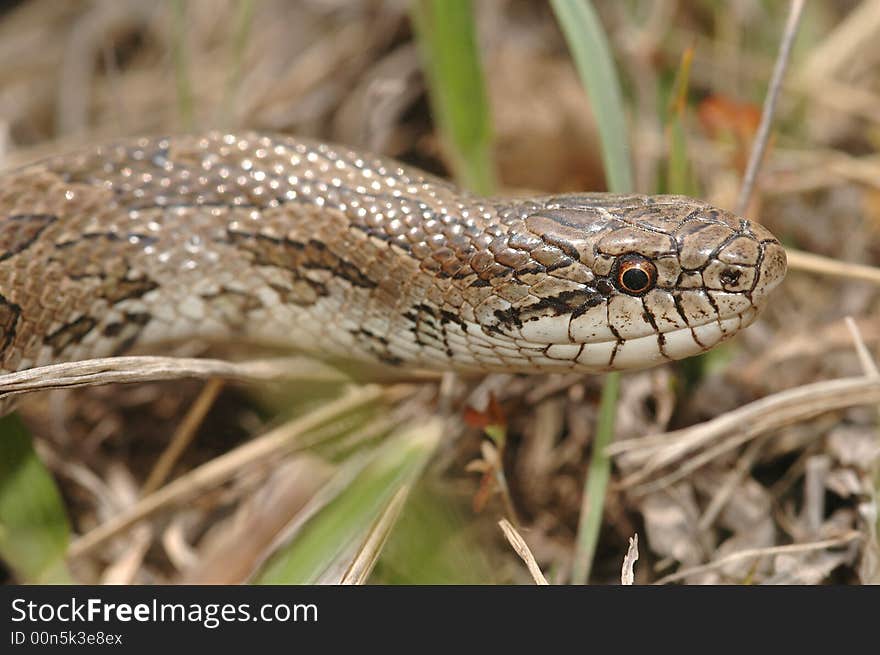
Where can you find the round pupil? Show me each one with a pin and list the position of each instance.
(635, 279)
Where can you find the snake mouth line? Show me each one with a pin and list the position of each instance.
(679, 343)
(651, 349)
(636, 352)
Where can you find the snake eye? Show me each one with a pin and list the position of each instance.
(635, 275)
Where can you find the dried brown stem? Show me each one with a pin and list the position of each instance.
(270, 446)
(763, 135)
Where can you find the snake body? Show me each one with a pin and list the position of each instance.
(350, 256)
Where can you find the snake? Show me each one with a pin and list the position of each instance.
(352, 257)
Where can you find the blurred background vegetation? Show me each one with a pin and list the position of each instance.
(322, 481)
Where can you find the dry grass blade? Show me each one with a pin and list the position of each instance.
(868, 570)
(368, 554)
(243, 21)
(763, 135)
(869, 366)
(627, 575)
(846, 42)
(183, 436)
(271, 445)
(180, 58)
(804, 345)
(755, 553)
(810, 263)
(732, 482)
(741, 425)
(824, 170)
(342, 540)
(342, 478)
(114, 370)
(522, 549)
(232, 555)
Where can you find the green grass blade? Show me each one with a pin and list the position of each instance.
(448, 44)
(327, 543)
(181, 63)
(592, 55)
(34, 529)
(680, 177)
(244, 18)
(598, 474)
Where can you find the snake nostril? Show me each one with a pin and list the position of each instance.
(730, 277)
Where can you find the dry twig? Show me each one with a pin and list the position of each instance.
(627, 575)
(522, 549)
(763, 135)
(762, 552)
(183, 436)
(110, 370)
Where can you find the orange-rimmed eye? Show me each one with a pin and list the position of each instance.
(636, 275)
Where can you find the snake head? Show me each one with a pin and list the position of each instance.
(619, 282)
